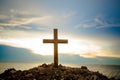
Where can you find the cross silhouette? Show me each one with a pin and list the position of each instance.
(55, 41)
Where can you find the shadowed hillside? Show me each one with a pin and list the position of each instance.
(49, 72)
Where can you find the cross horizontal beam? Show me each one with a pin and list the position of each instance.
(53, 41)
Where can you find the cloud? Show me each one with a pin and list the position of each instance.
(3, 16)
(88, 55)
(100, 54)
(19, 25)
(17, 34)
(32, 40)
(12, 54)
(17, 19)
(106, 23)
(98, 22)
(85, 49)
(70, 14)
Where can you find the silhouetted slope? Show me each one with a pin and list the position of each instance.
(49, 72)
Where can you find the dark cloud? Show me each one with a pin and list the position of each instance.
(13, 54)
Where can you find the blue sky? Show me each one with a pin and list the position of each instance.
(91, 27)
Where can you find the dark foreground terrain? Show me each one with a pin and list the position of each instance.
(49, 72)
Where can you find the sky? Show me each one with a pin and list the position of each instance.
(91, 27)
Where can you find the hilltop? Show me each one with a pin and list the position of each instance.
(49, 72)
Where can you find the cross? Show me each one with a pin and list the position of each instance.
(55, 41)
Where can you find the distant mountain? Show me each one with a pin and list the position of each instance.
(14, 54)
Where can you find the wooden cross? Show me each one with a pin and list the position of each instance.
(55, 41)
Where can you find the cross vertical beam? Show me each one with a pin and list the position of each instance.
(55, 48)
(55, 41)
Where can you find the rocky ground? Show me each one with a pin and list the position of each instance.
(49, 72)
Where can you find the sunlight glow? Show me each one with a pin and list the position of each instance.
(83, 48)
(36, 46)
